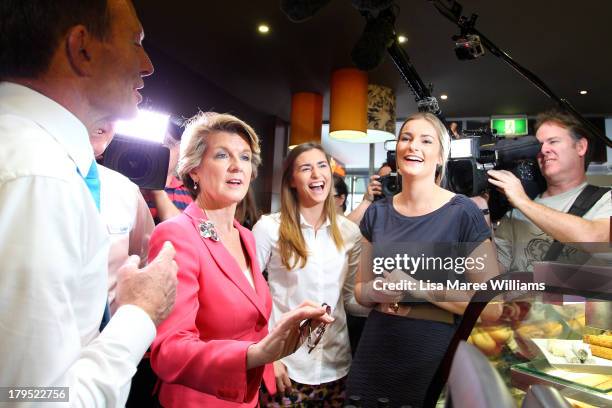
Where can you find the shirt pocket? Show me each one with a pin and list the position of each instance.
(118, 228)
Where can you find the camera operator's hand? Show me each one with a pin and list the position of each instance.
(510, 185)
(165, 207)
(374, 188)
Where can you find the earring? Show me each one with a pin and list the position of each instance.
(195, 185)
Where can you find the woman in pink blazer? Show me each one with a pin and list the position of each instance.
(214, 349)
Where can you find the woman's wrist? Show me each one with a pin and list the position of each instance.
(254, 358)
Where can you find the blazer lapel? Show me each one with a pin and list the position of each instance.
(226, 263)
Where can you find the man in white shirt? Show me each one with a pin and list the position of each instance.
(125, 213)
(525, 233)
(64, 66)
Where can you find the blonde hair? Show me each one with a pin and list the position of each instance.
(193, 142)
(291, 242)
(442, 135)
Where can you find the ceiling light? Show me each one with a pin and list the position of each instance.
(401, 39)
(583, 92)
(306, 118)
(263, 29)
(348, 104)
(444, 97)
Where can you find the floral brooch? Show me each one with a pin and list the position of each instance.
(207, 230)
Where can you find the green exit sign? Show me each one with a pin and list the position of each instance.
(510, 126)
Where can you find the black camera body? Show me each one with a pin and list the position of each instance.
(391, 183)
(468, 47)
(467, 168)
(144, 162)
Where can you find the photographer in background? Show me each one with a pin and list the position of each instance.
(454, 131)
(525, 233)
(374, 189)
(171, 201)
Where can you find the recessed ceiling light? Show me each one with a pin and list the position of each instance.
(401, 39)
(263, 29)
(583, 92)
(444, 97)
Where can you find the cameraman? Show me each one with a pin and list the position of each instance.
(525, 233)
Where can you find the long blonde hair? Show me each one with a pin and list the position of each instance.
(291, 243)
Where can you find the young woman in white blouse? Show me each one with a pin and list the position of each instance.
(312, 253)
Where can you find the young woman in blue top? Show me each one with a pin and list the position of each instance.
(404, 342)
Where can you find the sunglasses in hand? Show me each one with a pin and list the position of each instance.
(313, 337)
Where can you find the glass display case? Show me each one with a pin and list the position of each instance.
(576, 303)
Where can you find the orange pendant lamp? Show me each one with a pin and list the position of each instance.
(348, 105)
(306, 118)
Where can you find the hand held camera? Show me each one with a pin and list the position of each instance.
(391, 183)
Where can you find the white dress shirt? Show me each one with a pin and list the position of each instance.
(53, 262)
(328, 276)
(128, 223)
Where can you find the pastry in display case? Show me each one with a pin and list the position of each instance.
(539, 343)
(565, 343)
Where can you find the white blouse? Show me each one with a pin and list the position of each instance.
(328, 276)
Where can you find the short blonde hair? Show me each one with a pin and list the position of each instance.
(442, 135)
(193, 142)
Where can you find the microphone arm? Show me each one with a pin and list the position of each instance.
(453, 13)
(425, 101)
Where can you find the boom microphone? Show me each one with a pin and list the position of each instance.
(301, 10)
(377, 37)
(372, 6)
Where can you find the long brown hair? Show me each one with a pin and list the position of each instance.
(291, 241)
(247, 212)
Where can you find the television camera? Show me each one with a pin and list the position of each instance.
(470, 159)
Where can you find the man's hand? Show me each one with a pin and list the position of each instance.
(510, 185)
(152, 288)
(284, 338)
(374, 188)
(283, 382)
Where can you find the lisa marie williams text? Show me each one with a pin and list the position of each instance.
(503, 285)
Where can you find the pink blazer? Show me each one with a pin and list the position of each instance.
(199, 353)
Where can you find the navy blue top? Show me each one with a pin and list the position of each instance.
(453, 230)
(459, 220)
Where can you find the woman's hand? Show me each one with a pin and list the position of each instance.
(283, 382)
(378, 290)
(284, 338)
